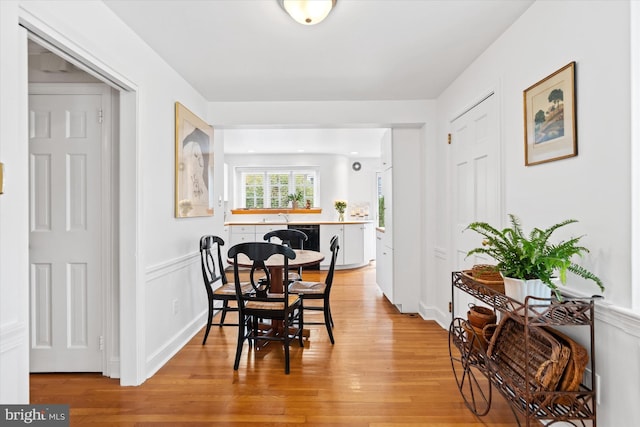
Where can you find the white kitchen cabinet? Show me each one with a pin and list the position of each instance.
(263, 229)
(398, 248)
(369, 241)
(384, 266)
(354, 244)
(353, 241)
(327, 231)
(356, 240)
(251, 233)
(241, 234)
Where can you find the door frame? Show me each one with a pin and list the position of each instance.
(108, 193)
(493, 94)
(128, 318)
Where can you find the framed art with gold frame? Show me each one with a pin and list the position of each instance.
(193, 165)
(550, 131)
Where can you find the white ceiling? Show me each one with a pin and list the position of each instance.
(251, 50)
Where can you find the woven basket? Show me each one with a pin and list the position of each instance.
(486, 272)
(572, 376)
(547, 356)
(483, 274)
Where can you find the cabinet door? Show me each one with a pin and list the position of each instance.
(241, 238)
(241, 234)
(369, 242)
(261, 230)
(384, 269)
(327, 231)
(354, 250)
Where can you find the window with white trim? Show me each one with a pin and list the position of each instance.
(270, 188)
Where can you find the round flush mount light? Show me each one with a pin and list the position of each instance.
(308, 12)
(356, 166)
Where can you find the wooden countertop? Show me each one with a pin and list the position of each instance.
(272, 211)
(232, 223)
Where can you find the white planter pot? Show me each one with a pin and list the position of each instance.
(519, 289)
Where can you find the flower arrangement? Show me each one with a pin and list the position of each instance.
(340, 205)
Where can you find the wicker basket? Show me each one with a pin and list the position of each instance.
(572, 375)
(487, 272)
(547, 356)
(484, 274)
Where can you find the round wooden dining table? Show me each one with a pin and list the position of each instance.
(275, 264)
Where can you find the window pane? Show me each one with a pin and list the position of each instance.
(254, 190)
(270, 188)
(304, 183)
(279, 189)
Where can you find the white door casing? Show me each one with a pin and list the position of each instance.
(66, 232)
(476, 183)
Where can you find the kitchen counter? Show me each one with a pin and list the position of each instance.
(357, 237)
(364, 221)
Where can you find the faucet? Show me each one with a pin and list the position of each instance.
(286, 217)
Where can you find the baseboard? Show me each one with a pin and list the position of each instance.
(432, 313)
(158, 359)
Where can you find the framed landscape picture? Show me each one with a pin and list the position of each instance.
(194, 165)
(550, 118)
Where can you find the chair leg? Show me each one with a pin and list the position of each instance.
(225, 306)
(252, 329)
(286, 346)
(241, 336)
(327, 323)
(210, 319)
(301, 324)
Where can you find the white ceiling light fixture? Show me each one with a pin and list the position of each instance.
(308, 12)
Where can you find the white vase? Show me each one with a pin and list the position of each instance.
(519, 289)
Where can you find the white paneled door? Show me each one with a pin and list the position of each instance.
(476, 184)
(65, 206)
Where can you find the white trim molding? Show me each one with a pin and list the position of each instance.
(635, 155)
(12, 336)
(158, 271)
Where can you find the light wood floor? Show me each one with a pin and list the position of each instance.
(385, 369)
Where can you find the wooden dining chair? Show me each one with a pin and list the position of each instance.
(284, 309)
(319, 291)
(295, 239)
(215, 281)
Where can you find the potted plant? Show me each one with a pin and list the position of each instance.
(340, 206)
(295, 199)
(532, 260)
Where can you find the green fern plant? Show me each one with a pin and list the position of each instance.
(533, 256)
(296, 197)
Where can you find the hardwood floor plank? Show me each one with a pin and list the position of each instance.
(385, 369)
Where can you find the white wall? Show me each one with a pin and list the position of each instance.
(593, 187)
(159, 263)
(14, 278)
(336, 178)
(322, 113)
